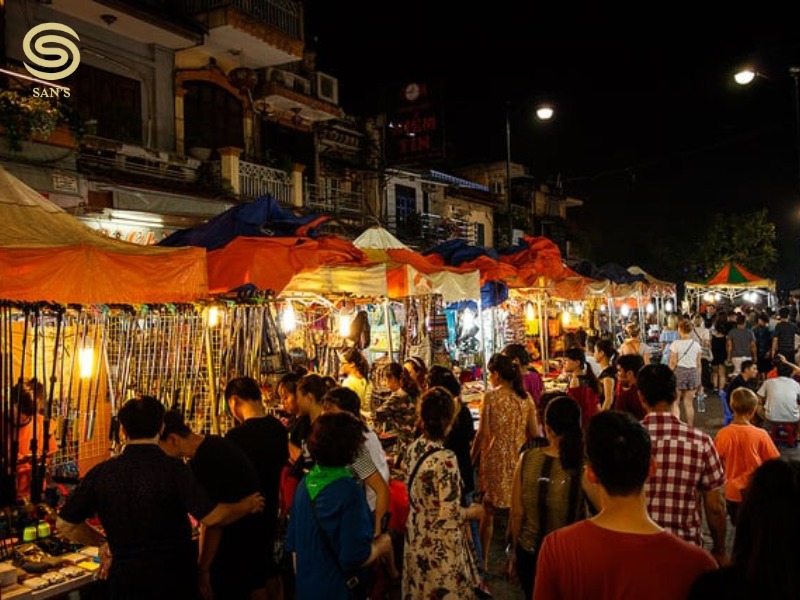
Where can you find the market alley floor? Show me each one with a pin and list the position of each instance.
(502, 589)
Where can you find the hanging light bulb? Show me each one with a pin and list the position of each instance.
(650, 308)
(577, 308)
(625, 310)
(708, 297)
(668, 306)
(288, 318)
(530, 315)
(86, 361)
(213, 316)
(344, 325)
(565, 318)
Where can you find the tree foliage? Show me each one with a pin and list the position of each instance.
(748, 239)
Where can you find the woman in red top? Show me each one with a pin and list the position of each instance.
(583, 385)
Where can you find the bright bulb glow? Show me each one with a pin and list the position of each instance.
(708, 297)
(565, 318)
(745, 76)
(625, 310)
(577, 308)
(545, 112)
(717, 297)
(668, 306)
(344, 325)
(86, 361)
(650, 308)
(468, 319)
(288, 318)
(213, 316)
(529, 313)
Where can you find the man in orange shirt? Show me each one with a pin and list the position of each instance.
(743, 447)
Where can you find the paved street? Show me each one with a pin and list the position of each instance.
(709, 421)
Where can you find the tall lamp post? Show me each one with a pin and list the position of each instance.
(544, 112)
(747, 75)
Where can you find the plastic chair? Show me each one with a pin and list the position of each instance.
(783, 434)
(726, 409)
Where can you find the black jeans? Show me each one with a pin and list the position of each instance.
(526, 569)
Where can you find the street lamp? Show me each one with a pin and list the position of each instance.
(544, 112)
(748, 75)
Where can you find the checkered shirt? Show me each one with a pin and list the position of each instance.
(687, 464)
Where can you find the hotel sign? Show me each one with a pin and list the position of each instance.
(415, 123)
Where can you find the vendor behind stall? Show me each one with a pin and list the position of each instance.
(30, 434)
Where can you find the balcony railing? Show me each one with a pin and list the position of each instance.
(284, 15)
(256, 180)
(333, 201)
(97, 154)
(426, 229)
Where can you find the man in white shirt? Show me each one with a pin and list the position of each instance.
(779, 397)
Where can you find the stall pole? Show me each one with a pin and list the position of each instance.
(544, 336)
(483, 340)
(386, 319)
(213, 387)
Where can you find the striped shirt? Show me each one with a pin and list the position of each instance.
(687, 465)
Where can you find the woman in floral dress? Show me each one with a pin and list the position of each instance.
(398, 413)
(507, 421)
(437, 560)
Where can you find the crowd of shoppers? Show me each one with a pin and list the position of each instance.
(612, 462)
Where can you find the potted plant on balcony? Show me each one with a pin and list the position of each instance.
(24, 117)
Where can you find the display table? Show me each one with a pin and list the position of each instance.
(62, 589)
(64, 580)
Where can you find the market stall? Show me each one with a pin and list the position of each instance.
(60, 283)
(732, 285)
(419, 294)
(547, 299)
(478, 324)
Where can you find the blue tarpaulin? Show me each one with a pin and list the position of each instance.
(261, 217)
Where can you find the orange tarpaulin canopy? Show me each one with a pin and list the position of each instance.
(46, 254)
(270, 263)
(542, 257)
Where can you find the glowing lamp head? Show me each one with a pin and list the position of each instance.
(745, 76)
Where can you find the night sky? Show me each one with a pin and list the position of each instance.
(651, 131)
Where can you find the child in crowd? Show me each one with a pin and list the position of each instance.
(743, 447)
